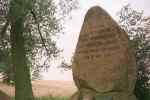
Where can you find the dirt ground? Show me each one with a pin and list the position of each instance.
(45, 88)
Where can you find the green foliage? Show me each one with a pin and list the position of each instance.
(5, 67)
(29, 23)
(137, 26)
(19, 8)
(52, 98)
(49, 19)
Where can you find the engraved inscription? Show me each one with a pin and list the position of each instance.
(97, 44)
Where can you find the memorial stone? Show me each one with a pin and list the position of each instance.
(104, 65)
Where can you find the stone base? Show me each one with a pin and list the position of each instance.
(90, 95)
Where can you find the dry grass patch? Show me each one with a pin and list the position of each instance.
(44, 88)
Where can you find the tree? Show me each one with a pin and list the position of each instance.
(4, 50)
(5, 67)
(17, 16)
(45, 18)
(137, 26)
(23, 16)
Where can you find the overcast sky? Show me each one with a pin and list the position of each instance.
(72, 28)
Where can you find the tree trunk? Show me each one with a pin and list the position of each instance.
(23, 85)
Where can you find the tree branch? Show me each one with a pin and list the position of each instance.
(3, 31)
(39, 31)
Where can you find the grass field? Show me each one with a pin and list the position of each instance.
(52, 98)
(46, 90)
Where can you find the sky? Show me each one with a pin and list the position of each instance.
(68, 40)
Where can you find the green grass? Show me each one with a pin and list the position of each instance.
(50, 98)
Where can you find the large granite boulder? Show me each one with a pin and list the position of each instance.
(104, 66)
(4, 96)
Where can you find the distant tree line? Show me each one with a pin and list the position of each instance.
(138, 28)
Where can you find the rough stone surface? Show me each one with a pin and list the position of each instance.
(4, 96)
(104, 62)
